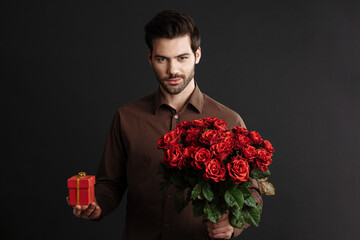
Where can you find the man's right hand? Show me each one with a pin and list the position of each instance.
(91, 211)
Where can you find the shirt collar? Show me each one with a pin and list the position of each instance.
(196, 99)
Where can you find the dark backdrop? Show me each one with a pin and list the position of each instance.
(289, 68)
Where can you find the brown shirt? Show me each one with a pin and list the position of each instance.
(131, 158)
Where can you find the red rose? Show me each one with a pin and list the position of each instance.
(210, 137)
(238, 169)
(242, 141)
(240, 130)
(263, 159)
(220, 151)
(170, 139)
(173, 157)
(209, 122)
(263, 154)
(210, 119)
(255, 136)
(199, 123)
(230, 141)
(192, 137)
(268, 146)
(215, 170)
(220, 125)
(189, 155)
(228, 134)
(249, 152)
(184, 125)
(201, 157)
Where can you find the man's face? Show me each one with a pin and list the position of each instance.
(173, 62)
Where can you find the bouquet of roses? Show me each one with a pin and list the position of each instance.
(210, 167)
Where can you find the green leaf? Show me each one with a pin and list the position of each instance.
(198, 207)
(245, 184)
(229, 199)
(252, 215)
(236, 222)
(257, 173)
(196, 191)
(163, 187)
(179, 201)
(246, 192)
(250, 202)
(207, 192)
(238, 196)
(212, 213)
(236, 211)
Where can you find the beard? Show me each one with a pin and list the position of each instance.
(173, 90)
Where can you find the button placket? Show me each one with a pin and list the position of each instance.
(174, 120)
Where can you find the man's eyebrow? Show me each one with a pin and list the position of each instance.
(180, 55)
(184, 54)
(159, 56)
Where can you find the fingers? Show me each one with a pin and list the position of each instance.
(223, 221)
(224, 232)
(77, 211)
(89, 210)
(219, 225)
(222, 229)
(224, 216)
(96, 213)
(92, 211)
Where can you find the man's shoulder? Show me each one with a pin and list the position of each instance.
(211, 106)
(142, 105)
(212, 103)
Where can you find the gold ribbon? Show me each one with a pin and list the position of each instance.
(92, 186)
(80, 175)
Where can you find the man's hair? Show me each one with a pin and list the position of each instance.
(172, 24)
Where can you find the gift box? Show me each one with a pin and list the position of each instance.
(81, 189)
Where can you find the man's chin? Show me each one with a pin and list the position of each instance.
(173, 90)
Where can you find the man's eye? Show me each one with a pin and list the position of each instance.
(183, 58)
(161, 59)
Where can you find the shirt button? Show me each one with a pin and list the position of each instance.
(176, 116)
(169, 195)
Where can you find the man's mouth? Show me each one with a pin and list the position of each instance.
(174, 81)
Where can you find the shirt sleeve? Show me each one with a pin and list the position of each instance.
(111, 180)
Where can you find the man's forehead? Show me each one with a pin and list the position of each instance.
(172, 47)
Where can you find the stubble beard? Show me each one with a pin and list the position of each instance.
(173, 90)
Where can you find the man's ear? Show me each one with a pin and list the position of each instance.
(149, 57)
(197, 55)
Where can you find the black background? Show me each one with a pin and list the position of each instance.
(291, 69)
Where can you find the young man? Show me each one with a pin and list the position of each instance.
(131, 156)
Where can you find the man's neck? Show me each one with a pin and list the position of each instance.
(177, 101)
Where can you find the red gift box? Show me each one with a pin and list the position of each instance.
(81, 189)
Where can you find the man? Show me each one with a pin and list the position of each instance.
(131, 157)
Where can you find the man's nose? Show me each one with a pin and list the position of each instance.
(172, 68)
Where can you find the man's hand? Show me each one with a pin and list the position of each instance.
(222, 229)
(91, 211)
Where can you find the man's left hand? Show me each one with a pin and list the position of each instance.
(222, 229)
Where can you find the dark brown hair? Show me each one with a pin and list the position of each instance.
(172, 24)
